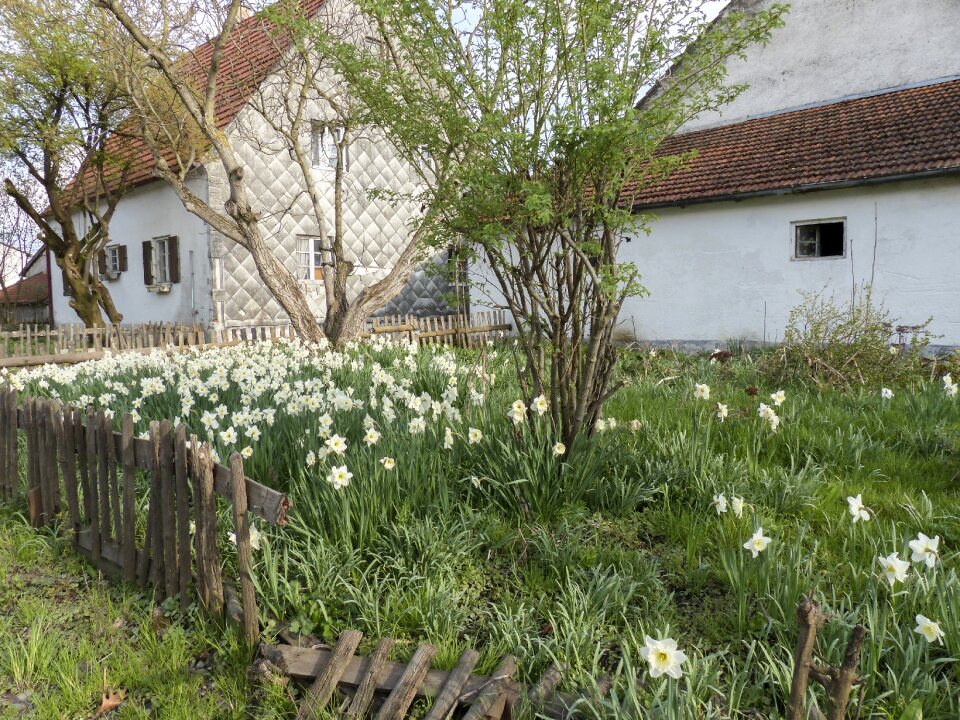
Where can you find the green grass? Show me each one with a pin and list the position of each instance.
(504, 547)
(67, 637)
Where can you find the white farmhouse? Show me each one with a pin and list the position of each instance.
(840, 165)
(164, 264)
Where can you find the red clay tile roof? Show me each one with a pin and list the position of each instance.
(29, 291)
(252, 51)
(898, 133)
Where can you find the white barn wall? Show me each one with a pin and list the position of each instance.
(829, 49)
(710, 268)
(146, 212)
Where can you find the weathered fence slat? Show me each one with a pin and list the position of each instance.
(129, 531)
(241, 521)
(500, 680)
(363, 698)
(207, 527)
(399, 701)
(94, 506)
(68, 464)
(326, 682)
(103, 490)
(168, 510)
(183, 513)
(447, 699)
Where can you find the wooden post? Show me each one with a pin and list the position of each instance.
(207, 534)
(129, 460)
(843, 679)
(153, 546)
(499, 681)
(183, 514)
(53, 450)
(168, 510)
(6, 478)
(238, 488)
(326, 682)
(810, 618)
(94, 505)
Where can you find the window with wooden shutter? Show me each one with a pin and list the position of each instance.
(122, 257)
(102, 262)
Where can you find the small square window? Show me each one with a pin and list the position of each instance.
(113, 259)
(819, 239)
(312, 255)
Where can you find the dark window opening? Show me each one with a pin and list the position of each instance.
(818, 240)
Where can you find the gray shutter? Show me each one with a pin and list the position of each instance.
(147, 262)
(173, 253)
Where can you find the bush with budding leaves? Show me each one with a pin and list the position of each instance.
(845, 342)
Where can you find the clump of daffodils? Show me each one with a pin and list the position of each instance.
(770, 415)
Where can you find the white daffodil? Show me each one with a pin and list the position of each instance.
(925, 550)
(770, 415)
(701, 391)
(636, 426)
(372, 436)
(778, 397)
(720, 503)
(336, 444)
(722, 412)
(894, 569)
(417, 425)
(311, 458)
(858, 510)
(255, 536)
(737, 504)
(540, 405)
(600, 425)
(447, 438)
(246, 453)
(229, 436)
(893, 350)
(559, 449)
(474, 436)
(930, 630)
(886, 393)
(664, 657)
(339, 477)
(388, 463)
(757, 543)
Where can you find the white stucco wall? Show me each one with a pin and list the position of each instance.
(715, 270)
(146, 212)
(829, 49)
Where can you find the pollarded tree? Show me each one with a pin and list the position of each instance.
(533, 115)
(58, 105)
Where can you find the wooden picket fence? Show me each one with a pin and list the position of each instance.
(75, 458)
(374, 684)
(460, 330)
(42, 340)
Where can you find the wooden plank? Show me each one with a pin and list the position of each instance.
(183, 513)
(48, 468)
(399, 701)
(110, 447)
(68, 465)
(449, 696)
(154, 540)
(241, 523)
(168, 510)
(376, 663)
(193, 458)
(80, 440)
(501, 679)
(6, 477)
(540, 693)
(94, 506)
(326, 681)
(55, 448)
(103, 490)
(207, 524)
(129, 538)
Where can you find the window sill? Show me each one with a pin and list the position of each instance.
(160, 288)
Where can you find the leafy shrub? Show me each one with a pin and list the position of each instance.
(832, 342)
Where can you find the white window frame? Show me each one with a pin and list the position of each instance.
(161, 260)
(794, 239)
(310, 251)
(113, 259)
(324, 146)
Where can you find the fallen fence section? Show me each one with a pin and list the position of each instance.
(140, 509)
(374, 683)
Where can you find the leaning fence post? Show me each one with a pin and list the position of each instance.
(168, 510)
(129, 460)
(93, 506)
(238, 489)
(183, 513)
(6, 480)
